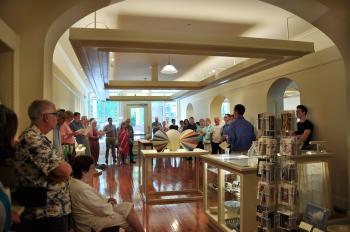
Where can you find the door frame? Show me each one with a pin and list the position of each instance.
(146, 107)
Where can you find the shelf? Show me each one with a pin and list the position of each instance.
(225, 182)
(234, 192)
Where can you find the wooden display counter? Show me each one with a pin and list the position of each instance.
(142, 144)
(149, 196)
(236, 184)
(230, 187)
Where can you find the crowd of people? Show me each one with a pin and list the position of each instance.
(235, 132)
(54, 185)
(71, 128)
(50, 183)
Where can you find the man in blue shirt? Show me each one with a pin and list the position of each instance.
(241, 132)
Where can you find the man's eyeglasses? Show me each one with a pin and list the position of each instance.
(53, 113)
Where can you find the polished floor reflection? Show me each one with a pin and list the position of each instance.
(121, 182)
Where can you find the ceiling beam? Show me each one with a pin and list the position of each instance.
(118, 40)
(154, 73)
(92, 47)
(140, 98)
(174, 85)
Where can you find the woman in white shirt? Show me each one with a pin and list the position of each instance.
(91, 210)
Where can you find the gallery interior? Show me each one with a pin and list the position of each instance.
(106, 58)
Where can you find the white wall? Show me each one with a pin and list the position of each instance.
(9, 65)
(66, 96)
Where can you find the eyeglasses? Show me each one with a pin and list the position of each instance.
(53, 113)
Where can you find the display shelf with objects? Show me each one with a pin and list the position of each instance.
(287, 174)
(229, 192)
(162, 197)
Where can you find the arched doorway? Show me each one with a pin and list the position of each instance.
(291, 97)
(225, 107)
(283, 95)
(216, 106)
(189, 110)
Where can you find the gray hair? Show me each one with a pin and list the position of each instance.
(37, 108)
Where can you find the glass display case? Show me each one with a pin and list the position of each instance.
(230, 192)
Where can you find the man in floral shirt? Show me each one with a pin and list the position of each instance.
(42, 173)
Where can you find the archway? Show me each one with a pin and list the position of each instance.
(282, 95)
(215, 106)
(291, 97)
(37, 66)
(189, 110)
(225, 107)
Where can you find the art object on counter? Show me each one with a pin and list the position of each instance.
(289, 146)
(260, 166)
(253, 150)
(287, 220)
(287, 194)
(232, 208)
(320, 145)
(266, 124)
(233, 223)
(266, 194)
(305, 227)
(271, 147)
(174, 139)
(261, 125)
(160, 141)
(288, 171)
(316, 216)
(189, 139)
(262, 146)
(269, 172)
(265, 218)
(288, 121)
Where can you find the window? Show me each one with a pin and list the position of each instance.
(164, 110)
(225, 107)
(102, 110)
(291, 98)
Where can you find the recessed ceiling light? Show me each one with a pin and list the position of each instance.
(112, 59)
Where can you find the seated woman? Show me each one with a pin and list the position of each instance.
(91, 210)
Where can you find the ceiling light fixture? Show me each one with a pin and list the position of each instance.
(169, 68)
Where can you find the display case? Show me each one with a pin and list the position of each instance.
(230, 192)
(162, 196)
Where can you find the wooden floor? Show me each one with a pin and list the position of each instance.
(121, 182)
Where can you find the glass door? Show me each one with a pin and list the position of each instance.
(138, 119)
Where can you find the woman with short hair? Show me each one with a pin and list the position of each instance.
(91, 210)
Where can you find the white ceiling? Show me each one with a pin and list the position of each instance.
(227, 18)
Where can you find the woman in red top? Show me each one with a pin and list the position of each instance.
(123, 142)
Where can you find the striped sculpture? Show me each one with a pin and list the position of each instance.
(174, 139)
(189, 139)
(160, 141)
